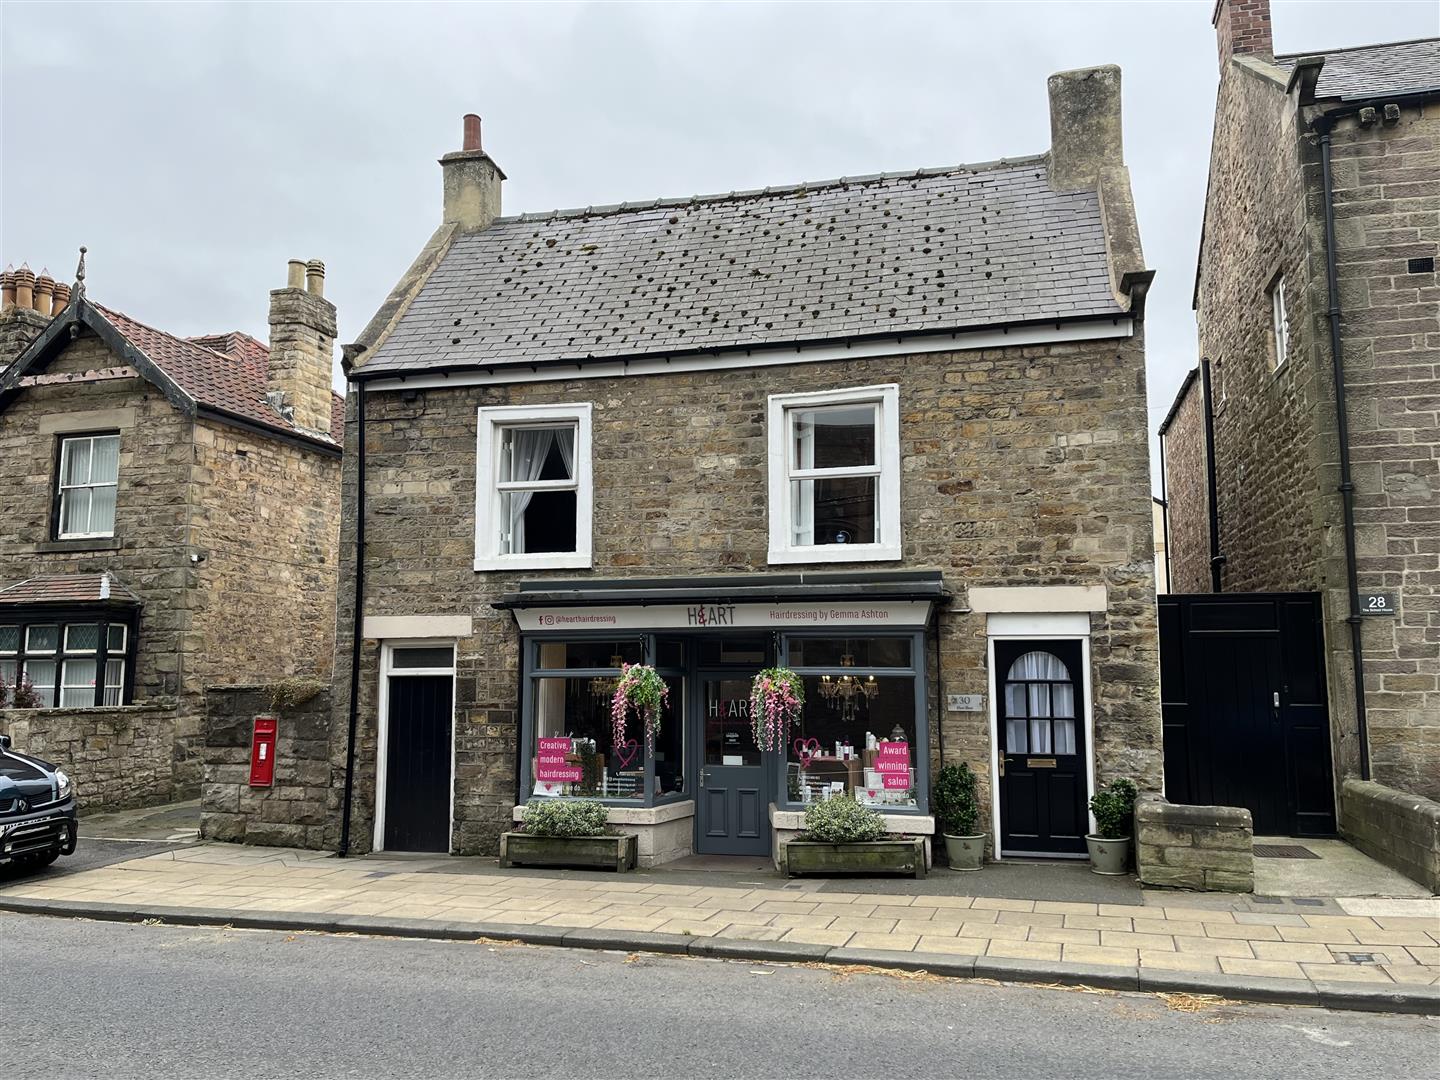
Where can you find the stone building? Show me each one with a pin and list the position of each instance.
(1260, 463)
(171, 521)
(886, 430)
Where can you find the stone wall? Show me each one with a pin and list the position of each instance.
(1187, 491)
(1393, 827)
(1194, 847)
(1021, 466)
(300, 809)
(118, 757)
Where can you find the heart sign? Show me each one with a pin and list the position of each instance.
(626, 753)
(806, 750)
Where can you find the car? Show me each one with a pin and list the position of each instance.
(38, 822)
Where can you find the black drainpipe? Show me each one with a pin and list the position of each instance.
(357, 621)
(1164, 512)
(939, 691)
(1322, 126)
(1216, 559)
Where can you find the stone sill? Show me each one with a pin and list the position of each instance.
(101, 543)
(635, 815)
(135, 709)
(906, 824)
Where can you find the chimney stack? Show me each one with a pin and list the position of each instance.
(1242, 28)
(1085, 131)
(27, 303)
(472, 182)
(302, 347)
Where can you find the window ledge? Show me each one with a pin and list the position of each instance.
(836, 553)
(92, 543)
(547, 561)
(912, 823)
(635, 815)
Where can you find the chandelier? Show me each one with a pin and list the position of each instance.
(602, 687)
(845, 692)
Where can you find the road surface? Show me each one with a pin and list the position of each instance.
(92, 999)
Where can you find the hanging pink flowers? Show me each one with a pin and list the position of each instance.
(777, 697)
(642, 691)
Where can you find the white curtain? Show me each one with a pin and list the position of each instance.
(1048, 702)
(803, 491)
(529, 447)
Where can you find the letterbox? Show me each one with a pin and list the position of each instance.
(262, 752)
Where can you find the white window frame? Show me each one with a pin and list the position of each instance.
(488, 488)
(888, 545)
(1279, 321)
(62, 488)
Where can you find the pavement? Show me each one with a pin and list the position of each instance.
(1295, 950)
(162, 1002)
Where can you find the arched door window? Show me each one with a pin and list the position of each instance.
(1039, 705)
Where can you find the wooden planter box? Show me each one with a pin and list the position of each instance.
(591, 852)
(875, 857)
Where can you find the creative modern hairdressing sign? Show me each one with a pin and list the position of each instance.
(881, 615)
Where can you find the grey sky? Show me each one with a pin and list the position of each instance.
(194, 148)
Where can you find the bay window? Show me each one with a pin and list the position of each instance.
(69, 661)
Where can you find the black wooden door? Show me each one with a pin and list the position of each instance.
(1040, 696)
(417, 763)
(732, 816)
(1242, 688)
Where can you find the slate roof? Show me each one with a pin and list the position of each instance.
(931, 250)
(223, 371)
(1366, 71)
(68, 589)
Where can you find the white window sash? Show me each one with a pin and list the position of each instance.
(68, 449)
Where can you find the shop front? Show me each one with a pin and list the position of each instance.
(704, 786)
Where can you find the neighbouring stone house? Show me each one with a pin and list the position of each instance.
(886, 430)
(171, 520)
(1259, 461)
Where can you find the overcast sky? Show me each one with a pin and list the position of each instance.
(196, 147)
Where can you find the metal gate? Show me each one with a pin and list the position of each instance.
(1242, 689)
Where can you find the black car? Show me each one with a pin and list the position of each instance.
(37, 810)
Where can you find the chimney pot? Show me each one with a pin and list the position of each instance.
(472, 132)
(7, 288)
(315, 277)
(24, 287)
(295, 274)
(44, 292)
(62, 297)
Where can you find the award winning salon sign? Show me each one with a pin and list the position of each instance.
(904, 614)
(892, 762)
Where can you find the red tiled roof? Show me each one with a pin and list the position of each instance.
(67, 588)
(223, 371)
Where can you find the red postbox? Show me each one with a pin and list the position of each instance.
(262, 752)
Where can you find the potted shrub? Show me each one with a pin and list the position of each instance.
(567, 832)
(952, 797)
(1114, 810)
(843, 837)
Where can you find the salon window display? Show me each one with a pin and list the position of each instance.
(856, 734)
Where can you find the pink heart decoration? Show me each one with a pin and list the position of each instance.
(807, 750)
(625, 753)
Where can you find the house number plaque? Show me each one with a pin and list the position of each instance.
(1382, 603)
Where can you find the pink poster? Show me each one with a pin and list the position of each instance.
(892, 762)
(551, 766)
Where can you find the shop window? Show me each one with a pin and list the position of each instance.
(534, 494)
(85, 486)
(835, 476)
(1039, 705)
(850, 652)
(75, 665)
(1280, 324)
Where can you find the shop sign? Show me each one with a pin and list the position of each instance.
(905, 614)
(892, 762)
(551, 766)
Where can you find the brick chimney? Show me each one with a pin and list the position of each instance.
(302, 347)
(472, 182)
(1085, 132)
(1242, 28)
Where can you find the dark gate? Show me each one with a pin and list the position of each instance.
(1242, 688)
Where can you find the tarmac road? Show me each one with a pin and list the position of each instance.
(92, 999)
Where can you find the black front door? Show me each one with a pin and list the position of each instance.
(417, 763)
(733, 809)
(1040, 698)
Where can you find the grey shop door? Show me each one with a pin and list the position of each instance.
(732, 816)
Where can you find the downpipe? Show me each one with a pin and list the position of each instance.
(357, 620)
